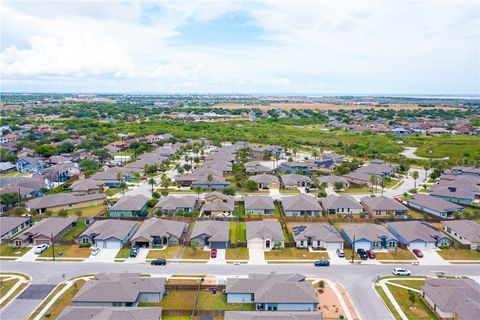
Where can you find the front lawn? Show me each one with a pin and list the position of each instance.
(11, 251)
(238, 232)
(6, 285)
(68, 251)
(76, 231)
(237, 254)
(124, 253)
(365, 189)
(194, 253)
(399, 254)
(295, 254)
(417, 311)
(414, 284)
(459, 254)
(168, 253)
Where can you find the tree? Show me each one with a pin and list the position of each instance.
(198, 190)
(10, 199)
(315, 154)
(62, 213)
(46, 150)
(151, 169)
(373, 182)
(383, 183)
(427, 167)
(415, 177)
(251, 185)
(101, 154)
(338, 185)
(210, 179)
(152, 183)
(123, 186)
(412, 296)
(229, 191)
(66, 147)
(165, 183)
(7, 156)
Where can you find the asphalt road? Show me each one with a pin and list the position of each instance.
(357, 279)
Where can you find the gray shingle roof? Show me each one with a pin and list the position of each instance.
(85, 185)
(271, 315)
(110, 174)
(110, 313)
(176, 202)
(217, 230)
(264, 178)
(337, 202)
(316, 231)
(159, 227)
(61, 199)
(468, 229)
(449, 191)
(292, 179)
(259, 202)
(369, 231)
(134, 203)
(265, 229)
(50, 226)
(105, 229)
(413, 230)
(302, 202)
(382, 203)
(434, 203)
(9, 223)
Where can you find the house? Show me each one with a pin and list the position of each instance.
(206, 178)
(66, 201)
(334, 181)
(433, 205)
(368, 236)
(176, 204)
(7, 167)
(29, 165)
(211, 233)
(218, 204)
(111, 313)
(87, 186)
(10, 226)
(294, 167)
(453, 194)
(378, 169)
(265, 181)
(465, 231)
(58, 174)
(293, 180)
(112, 177)
(156, 232)
(383, 207)
(120, 290)
(343, 204)
(44, 231)
(452, 298)
(317, 235)
(108, 234)
(302, 204)
(269, 315)
(418, 235)
(130, 206)
(264, 234)
(357, 178)
(470, 171)
(273, 292)
(402, 132)
(255, 167)
(259, 205)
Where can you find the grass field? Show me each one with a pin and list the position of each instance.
(76, 231)
(415, 284)
(365, 189)
(459, 254)
(124, 253)
(68, 251)
(240, 210)
(238, 232)
(6, 250)
(294, 254)
(237, 254)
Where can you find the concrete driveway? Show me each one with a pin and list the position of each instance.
(431, 257)
(105, 255)
(140, 258)
(256, 256)
(220, 259)
(29, 256)
(335, 259)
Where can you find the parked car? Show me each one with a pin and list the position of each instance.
(322, 263)
(418, 253)
(213, 253)
(133, 252)
(307, 190)
(401, 272)
(158, 262)
(95, 251)
(340, 253)
(39, 249)
(371, 254)
(362, 253)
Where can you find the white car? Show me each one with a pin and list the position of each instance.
(95, 251)
(39, 249)
(401, 272)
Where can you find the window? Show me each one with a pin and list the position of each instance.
(18, 243)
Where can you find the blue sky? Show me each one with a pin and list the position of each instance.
(277, 47)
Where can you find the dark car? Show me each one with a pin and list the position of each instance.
(158, 262)
(418, 253)
(362, 253)
(133, 252)
(371, 254)
(213, 253)
(322, 263)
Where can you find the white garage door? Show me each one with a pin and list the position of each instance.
(255, 244)
(108, 244)
(334, 245)
(417, 245)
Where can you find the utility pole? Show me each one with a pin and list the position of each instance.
(19, 198)
(353, 249)
(53, 246)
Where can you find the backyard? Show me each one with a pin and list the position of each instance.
(418, 310)
(237, 232)
(85, 212)
(76, 231)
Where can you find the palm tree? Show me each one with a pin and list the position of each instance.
(427, 167)
(415, 177)
(315, 154)
(210, 179)
(123, 186)
(373, 181)
(152, 183)
(383, 183)
(198, 190)
(276, 157)
(165, 182)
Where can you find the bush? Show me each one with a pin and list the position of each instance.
(229, 191)
(62, 213)
(413, 191)
(17, 211)
(156, 195)
(322, 194)
(85, 245)
(152, 202)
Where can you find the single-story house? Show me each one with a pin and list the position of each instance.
(259, 205)
(67, 201)
(256, 167)
(357, 178)
(218, 204)
(264, 234)
(87, 186)
(302, 204)
(434, 205)
(211, 233)
(464, 231)
(111, 313)
(44, 231)
(368, 236)
(273, 292)
(120, 290)
(7, 167)
(159, 232)
(293, 180)
(108, 234)
(453, 194)
(10, 226)
(317, 235)
(383, 206)
(294, 167)
(266, 181)
(130, 206)
(333, 180)
(112, 177)
(343, 204)
(268, 315)
(30, 165)
(176, 204)
(418, 234)
(452, 298)
(378, 168)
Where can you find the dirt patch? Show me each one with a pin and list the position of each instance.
(321, 106)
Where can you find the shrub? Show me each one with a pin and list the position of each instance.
(62, 213)
(152, 202)
(322, 193)
(85, 245)
(413, 191)
(229, 191)
(156, 195)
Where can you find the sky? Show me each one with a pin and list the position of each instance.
(251, 47)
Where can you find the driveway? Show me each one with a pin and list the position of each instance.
(256, 256)
(275, 194)
(29, 256)
(105, 255)
(335, 259)
(431, 257)
(220, 259)
(140, 258)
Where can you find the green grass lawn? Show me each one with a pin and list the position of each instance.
(295, 254)
(112, 191)
(417, 215)
(10, 251)
(76, 231)
(240, 210)
(278, 211)
(238, 232)
(289, 191)
(388, 302)
(65, 299)
(68, 251)
(459, 254)
(419, 311)
(86, 212)
(124, 253)
(194, 253)
(5, 286)
(168, 253)
(365, 189)
(237, 254)
(286, 234)
(414, 284)
(399, 254)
